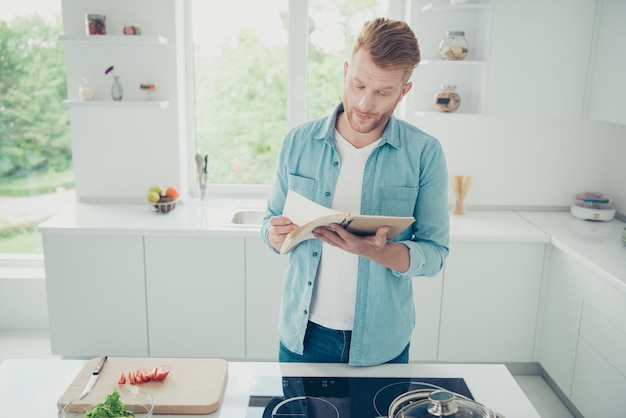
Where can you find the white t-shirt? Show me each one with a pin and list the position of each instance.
(334, 295)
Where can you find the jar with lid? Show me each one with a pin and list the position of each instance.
(454, 46)
(447, 99)
(132, 25)
(96, 24)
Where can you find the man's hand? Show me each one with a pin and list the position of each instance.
(375, 247)
(279, 228)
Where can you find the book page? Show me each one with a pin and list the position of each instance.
(304, 232)
(302, 210)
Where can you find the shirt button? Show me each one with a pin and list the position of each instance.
(336, 163)
(305, 312)
(327, 194)
(309, 283)
(315, 254)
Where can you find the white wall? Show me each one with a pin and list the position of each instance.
(536, 147)
(532, 162)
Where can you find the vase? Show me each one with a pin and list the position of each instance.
(117, 92)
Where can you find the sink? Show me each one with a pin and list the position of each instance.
(248, 217)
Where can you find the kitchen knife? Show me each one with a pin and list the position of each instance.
(94, 376)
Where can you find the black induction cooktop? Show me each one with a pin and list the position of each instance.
(336, 397)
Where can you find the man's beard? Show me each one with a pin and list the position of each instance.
(372, 123)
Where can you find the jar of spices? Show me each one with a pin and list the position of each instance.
(447, 99)
(454, 46)
(131, 25)
(96, 24)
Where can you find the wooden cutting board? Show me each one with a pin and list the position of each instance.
(193, 386)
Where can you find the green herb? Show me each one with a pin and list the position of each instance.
(111, 407)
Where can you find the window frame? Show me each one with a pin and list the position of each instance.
(297, 63)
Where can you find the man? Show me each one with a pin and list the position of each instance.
(348, 298)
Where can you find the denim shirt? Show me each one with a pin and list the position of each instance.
(406, 175)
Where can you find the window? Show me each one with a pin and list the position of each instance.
(260, 72)
(35, 147)
(257, 74)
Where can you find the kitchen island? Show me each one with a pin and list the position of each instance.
(31, 388)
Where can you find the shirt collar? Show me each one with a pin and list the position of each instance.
(390, 134)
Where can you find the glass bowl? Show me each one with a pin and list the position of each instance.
(135, 398)
(164, 206)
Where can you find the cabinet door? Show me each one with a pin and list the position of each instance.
(264, 281)
(427, 299)
(195, 293)
(490, 302)
(563, 304)
(96, 295)
(608, 86)
(539, 58)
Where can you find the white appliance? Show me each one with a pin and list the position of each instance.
(593, 206)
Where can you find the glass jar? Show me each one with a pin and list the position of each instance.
(86, 89)
(447, 99)
(454, 46)
(131, 25)
(96, 24)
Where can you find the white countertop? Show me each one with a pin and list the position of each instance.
(595, 244)
(194, 218)
(31, 388)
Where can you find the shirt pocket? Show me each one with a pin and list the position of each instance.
(397, 201)
(303, 185)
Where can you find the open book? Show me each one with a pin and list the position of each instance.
(309, 215)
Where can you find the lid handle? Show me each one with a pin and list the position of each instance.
(442, 403)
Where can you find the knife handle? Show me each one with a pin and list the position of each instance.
(99, 365)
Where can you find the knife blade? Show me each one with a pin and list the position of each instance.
(94, 376)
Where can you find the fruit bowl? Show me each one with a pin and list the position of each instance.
(165, 205)
(135, 399)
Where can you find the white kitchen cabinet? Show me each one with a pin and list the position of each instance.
(561, 321)
(430, 21)
(599, 381)
(427, 299)
(539, 58)
(608, 65)
(584, 336)
(264, 287)
(490, 302)
(196, 296)
(96, 295)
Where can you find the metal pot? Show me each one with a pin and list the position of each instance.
(437, 403)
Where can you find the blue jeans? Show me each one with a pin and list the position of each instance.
(324, 345)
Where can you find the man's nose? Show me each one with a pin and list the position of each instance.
(366, 101)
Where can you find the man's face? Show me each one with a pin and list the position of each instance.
(370, 93)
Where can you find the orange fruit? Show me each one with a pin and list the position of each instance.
(172, 192)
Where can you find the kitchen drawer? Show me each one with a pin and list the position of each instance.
(600, 372)
(605, 337)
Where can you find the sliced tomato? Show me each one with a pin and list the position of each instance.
(161, 372)
(150, 375)
(139, 376)
(131, 377)
(122, 378)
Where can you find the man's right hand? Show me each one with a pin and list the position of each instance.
(279, 228)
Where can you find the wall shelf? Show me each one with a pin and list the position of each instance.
(124, 104)
(431, 22)
(115, 39)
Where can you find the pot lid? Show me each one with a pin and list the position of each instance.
(437, 403)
